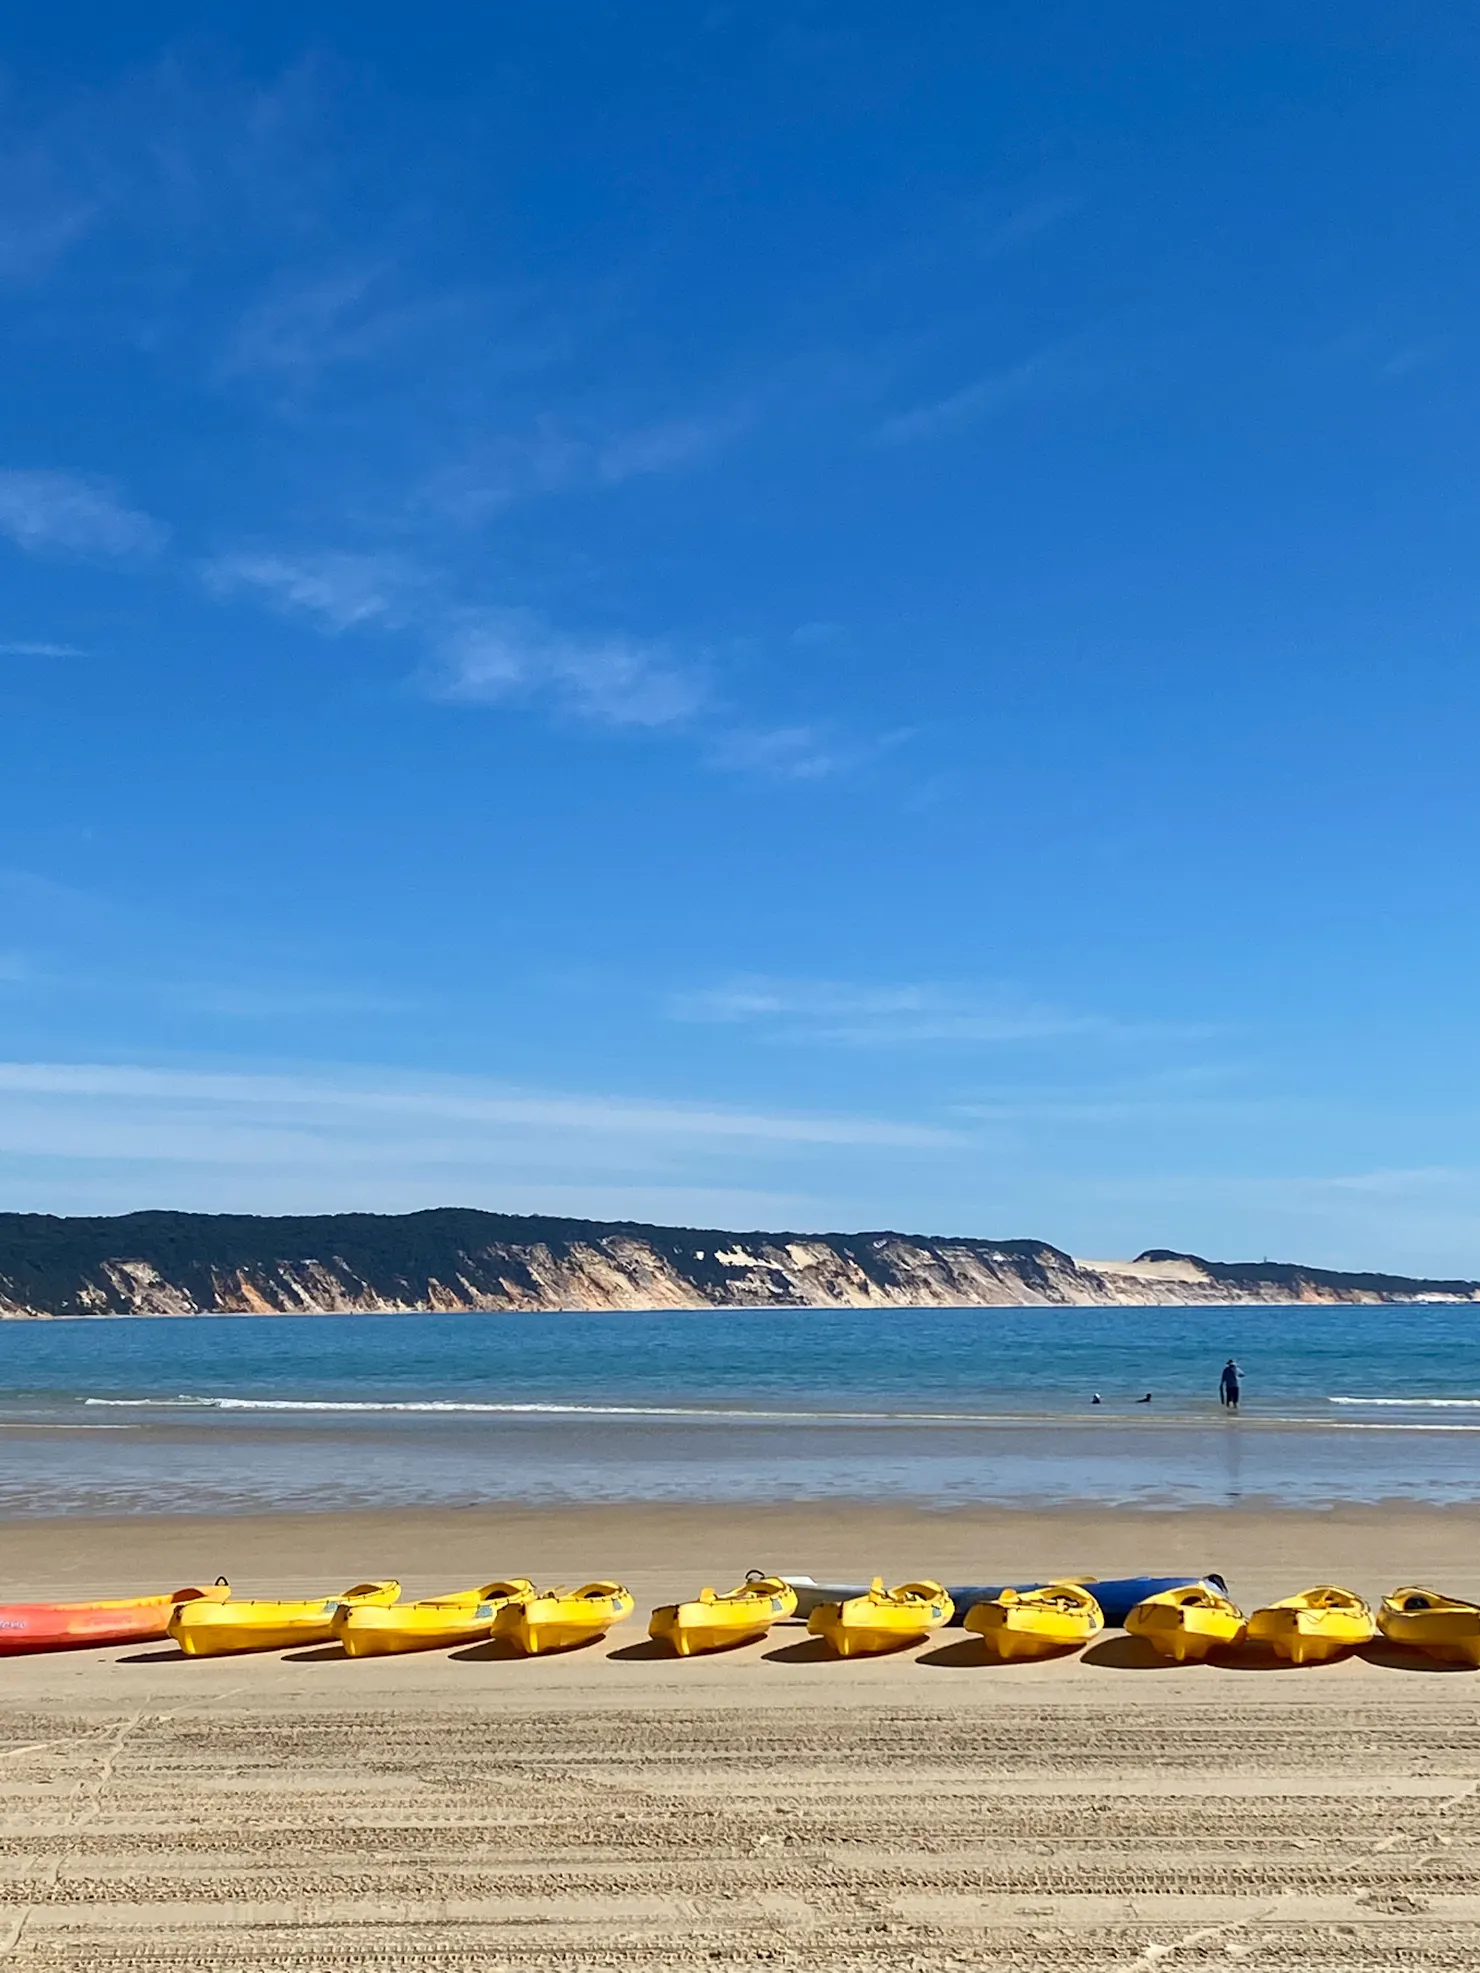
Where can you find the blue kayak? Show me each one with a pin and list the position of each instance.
(1116, 1598)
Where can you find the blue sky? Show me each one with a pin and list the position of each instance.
(761, 615)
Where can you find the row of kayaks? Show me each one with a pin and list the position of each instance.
(370, 1621)
(1185, 1622)
(1309, 1628)
(1180, 1619)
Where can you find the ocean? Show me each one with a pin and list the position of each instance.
(250, 1414)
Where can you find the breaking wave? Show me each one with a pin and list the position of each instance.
(186, 1402)
(1415, 1404)
(761, 1415)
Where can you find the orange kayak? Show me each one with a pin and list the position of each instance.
(121, 1620)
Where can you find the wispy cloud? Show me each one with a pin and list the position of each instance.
(550, 458)
(323, 1105)
(308, 324)
(1413, 357)
(39, 216)
(492, 657)
(55, 513)
(364, 312)
(475, 656)
(336, 591)
(943, 416)
(784, 753)
(666, 447)
(484, 656)
(882, 1016)
(25, 647)
(798, 753)
(504, 469)
(821, 630)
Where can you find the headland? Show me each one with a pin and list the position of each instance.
(454, 1258)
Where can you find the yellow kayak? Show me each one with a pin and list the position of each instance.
(1037, 1623)
(882, 1619)
(375, 1630)
(712, 1621)
(1317, 1625)
(1442, 1626)
(1187, 1623)
(559, 1618)
(207, 1630)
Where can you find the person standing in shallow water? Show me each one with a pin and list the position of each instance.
(1228, 1385)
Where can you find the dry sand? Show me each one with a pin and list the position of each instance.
(612, 1809)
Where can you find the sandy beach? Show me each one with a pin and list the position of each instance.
(613, 1808)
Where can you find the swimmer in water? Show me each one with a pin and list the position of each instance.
(1144, 1400)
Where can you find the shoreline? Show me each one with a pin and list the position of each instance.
(128, 1466)
(164, 1419)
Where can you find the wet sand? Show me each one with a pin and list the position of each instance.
(615, 1809)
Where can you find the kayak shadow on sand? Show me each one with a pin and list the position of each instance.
(645, 1651)
(1133, 1654)
(960, 1651)
(807, 1651)
(1404, 1658)
(321, 1654)
(493, 1650)
(1124, 1653)
(1250, 1658)
(976, 1652)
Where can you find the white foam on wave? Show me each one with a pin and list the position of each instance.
(1377, 1425)
(186, 1402)
(1415, 1404)
(716, 1414)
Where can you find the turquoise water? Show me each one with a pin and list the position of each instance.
(939, 1405)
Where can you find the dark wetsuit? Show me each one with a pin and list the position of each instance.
(1228, 1386)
